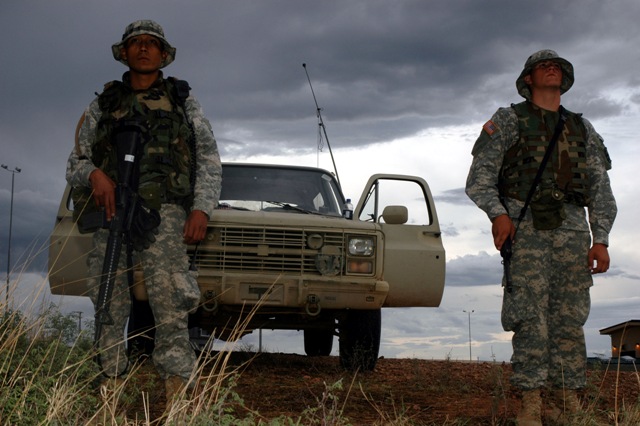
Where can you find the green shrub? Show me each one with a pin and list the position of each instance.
(44, 375)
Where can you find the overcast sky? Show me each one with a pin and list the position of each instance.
(404, 87)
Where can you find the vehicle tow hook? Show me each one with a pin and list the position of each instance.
(313, 302)
(211, 304)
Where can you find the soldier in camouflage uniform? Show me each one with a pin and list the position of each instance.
(555, 249)
(165, 185)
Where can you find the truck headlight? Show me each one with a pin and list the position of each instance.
(361, 246)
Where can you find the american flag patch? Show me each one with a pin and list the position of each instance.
(489, 127)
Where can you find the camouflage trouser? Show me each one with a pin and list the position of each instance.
(547, 308)
(173, 292)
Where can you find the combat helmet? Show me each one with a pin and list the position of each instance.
(541, 56)
(144, 27)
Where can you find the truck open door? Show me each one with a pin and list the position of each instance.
(414, 261)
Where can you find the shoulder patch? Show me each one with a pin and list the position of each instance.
(490, 127)
(110, 84)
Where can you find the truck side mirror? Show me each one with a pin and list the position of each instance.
(395, 215)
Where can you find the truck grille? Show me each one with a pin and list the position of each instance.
(262, 250)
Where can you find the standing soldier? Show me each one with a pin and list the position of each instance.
(555, 249)
(179, 177)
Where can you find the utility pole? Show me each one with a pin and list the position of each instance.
(79, 321)
(6, 294)
(469, 313)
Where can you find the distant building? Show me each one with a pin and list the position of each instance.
(625, 339)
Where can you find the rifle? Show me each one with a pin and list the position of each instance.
(128, 145)
(506, 251)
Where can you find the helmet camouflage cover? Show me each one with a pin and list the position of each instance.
(543, 56)
(144, 27)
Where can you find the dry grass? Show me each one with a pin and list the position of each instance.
(48, 380)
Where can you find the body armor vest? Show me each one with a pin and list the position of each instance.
(165, 164)
(566, 170)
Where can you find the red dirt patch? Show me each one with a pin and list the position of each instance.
(425, 392)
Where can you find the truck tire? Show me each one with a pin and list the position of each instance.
(360, 339)
(318, 342)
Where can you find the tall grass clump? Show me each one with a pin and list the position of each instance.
(45, 370)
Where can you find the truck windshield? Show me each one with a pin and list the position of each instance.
(288, 189)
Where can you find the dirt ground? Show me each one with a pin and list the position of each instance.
(398, 391)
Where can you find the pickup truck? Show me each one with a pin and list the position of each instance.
(279, 254)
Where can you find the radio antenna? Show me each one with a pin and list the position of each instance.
(321, 127)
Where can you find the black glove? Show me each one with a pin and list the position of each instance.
(144, 228)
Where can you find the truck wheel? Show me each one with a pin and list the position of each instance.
(141, 329)
(318, 342)
(360, 339)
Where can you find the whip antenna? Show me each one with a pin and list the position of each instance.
(321, 127)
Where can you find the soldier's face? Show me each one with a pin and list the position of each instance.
(144, 54)
(545, 74)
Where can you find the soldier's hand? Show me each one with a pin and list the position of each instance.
(599, 259)
(501, 229)
(104, 192)
(195, 228)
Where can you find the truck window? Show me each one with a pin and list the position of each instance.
(392, 192)
(270, 189)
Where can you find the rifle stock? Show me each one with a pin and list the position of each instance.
(506, 251)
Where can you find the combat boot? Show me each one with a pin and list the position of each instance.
(530, 413)
(564, 404)
(173, 386)
(571, 402)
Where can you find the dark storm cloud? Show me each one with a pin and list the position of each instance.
(33, 221)
(381, 71)
(474, 270)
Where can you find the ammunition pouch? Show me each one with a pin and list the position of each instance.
(144, 225)
(547, 208)
(155, 193)
(86, 214)
(91, 222)
(577, 198)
